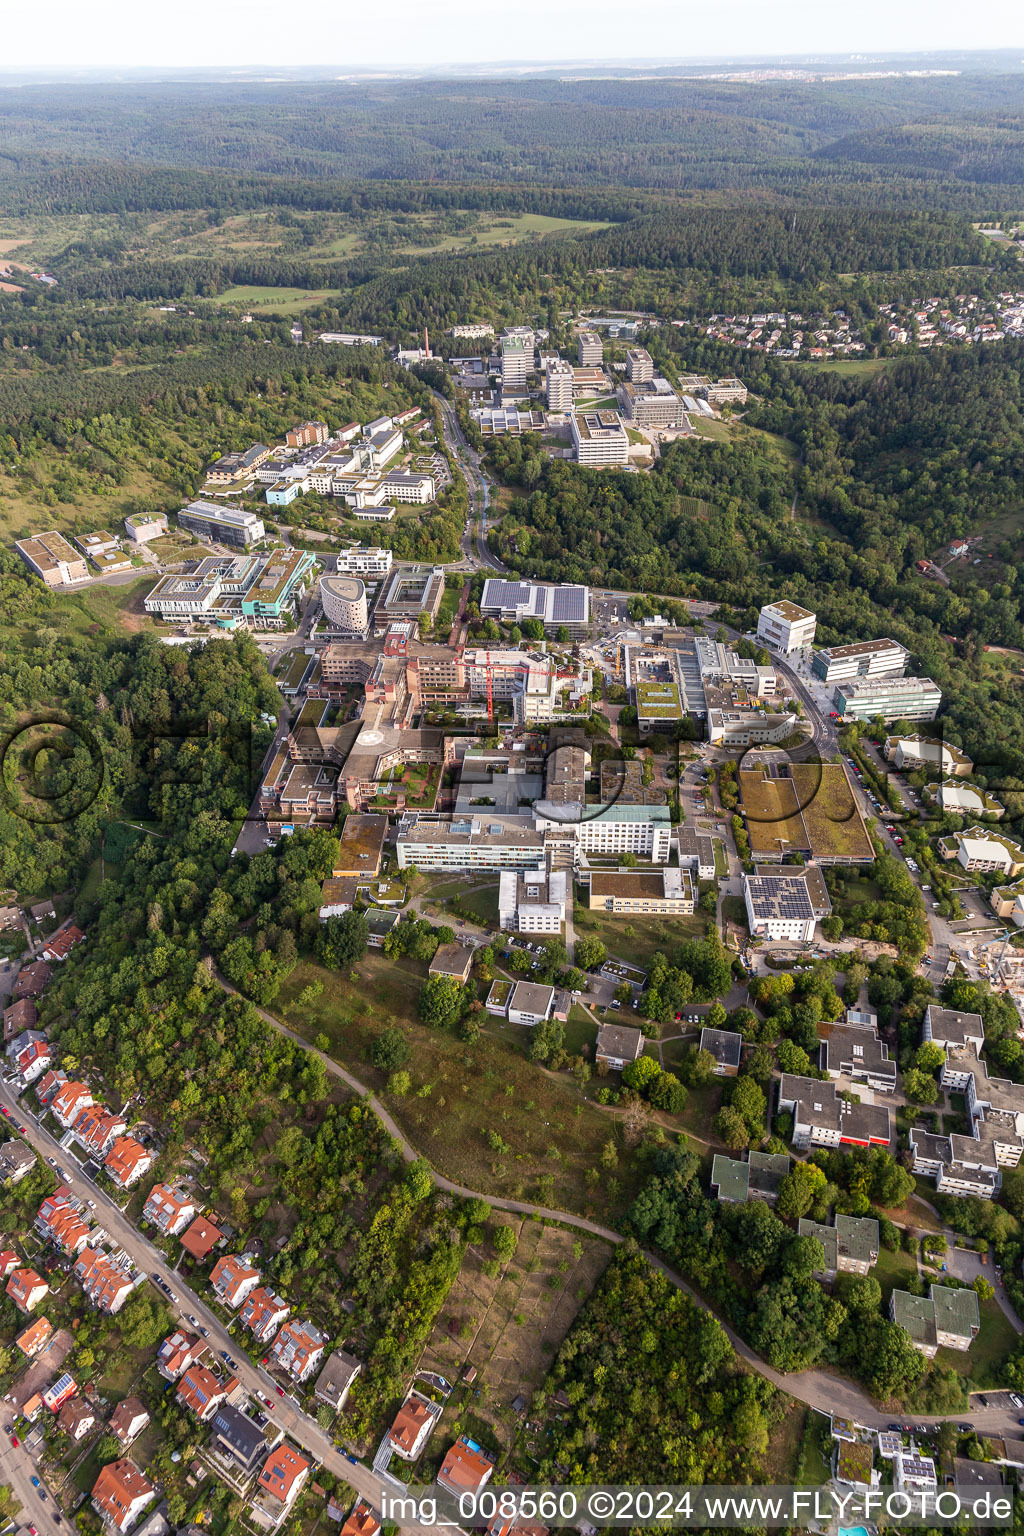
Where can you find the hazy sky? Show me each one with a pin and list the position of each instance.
(115, 33)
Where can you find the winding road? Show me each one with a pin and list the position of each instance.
(817, 1389)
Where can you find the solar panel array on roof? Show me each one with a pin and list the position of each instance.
(780, 897)
(568, 605)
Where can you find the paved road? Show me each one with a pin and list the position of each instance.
(17, 1469)
(285, 1412)
(475, 552)
(818, 1389)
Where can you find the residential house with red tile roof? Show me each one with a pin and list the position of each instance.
(127, 1161)
(76, 1418)
(169, 1209)
(361, 1522)
(233, 1279)
(282, 1478)
(121, 1493)
(59, 1220)
(31, 980)
(26, 1289)
(298, 1349)
(177, 1352)
(104, 1282)
(60, 945)
(466, 1467)
(201, 1237)
(411, 1428)
(30, 1054)
(263, 1313)
(96, 1127)
(34, 1339)
(200, 1390)
(128, 1420)
(8, 1260)
(68, 1103)
(49, 1084)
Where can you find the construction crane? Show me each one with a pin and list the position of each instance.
(490, 667)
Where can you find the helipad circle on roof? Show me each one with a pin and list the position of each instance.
(371, 738)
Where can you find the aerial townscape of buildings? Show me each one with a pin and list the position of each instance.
(555, 777)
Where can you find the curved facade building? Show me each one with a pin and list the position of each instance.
(344, 602)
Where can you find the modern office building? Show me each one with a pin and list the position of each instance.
(785, 626)
(222, 525)
(639, 366)
(910, 753)
(251, 591)
(646, 406)
(894, 698)
(516, 359)
(599, 438)
(868, 658)
(784, 902)
(559, 386)
(514, 601)
(343, 599)
(236, 466)
(590, 352)
(143, 526)
(532, 900)
(409, 591)
(659, 892)
(52, 559)
(365, 560)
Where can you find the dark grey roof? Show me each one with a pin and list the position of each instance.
(237, 1431)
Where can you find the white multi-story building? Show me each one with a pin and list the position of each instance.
(532, 900)
(868, 658)
(590, 349)
(365, 560)
(785, 626)
(909, 753)
(823, 1118)
(785, 903)
(650, 407)
(639, 366)
(222, 525)
(571, 832)
(343, 599)
(516, 359)
(599, 438)
(894, 698)
(559, 385)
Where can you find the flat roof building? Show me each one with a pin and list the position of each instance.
(784, 902)
(893, 698)
(222, 525)
(52, 559)
(822, 1118)
(868, 658)
(639, 365)
(343, 599)
(559, 386)
(599, 438)
(590, 349)
(785, 626)
(666, 890)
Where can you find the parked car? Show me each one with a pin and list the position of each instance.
(1017, 1401)
(35, 1482)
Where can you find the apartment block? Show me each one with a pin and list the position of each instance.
(851, 1246)
(822, 1118)
(854, 1051)
(944, 1319)
(365, 560)
(970, 1164)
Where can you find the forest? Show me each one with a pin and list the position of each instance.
(889, 468)
(951, 141)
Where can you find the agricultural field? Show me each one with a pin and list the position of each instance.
(280, 301)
